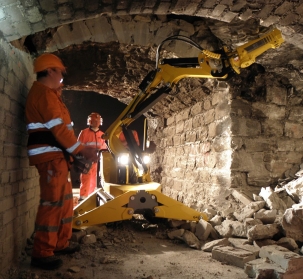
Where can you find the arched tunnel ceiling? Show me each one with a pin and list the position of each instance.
(116, 69)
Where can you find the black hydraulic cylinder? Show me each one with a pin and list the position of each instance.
(190, 62)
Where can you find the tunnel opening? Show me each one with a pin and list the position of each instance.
(82, 103)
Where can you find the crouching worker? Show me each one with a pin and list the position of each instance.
(51, 142)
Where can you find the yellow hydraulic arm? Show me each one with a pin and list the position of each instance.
(207, 65)
(125, 200)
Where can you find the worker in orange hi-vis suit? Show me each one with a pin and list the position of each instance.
(51, 143)
(91, 137)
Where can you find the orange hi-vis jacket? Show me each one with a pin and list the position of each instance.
(91, 138)
(49, 126)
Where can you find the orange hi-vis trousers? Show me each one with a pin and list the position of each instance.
(88, 181)
(53, 227)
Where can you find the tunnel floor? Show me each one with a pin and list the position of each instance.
(131, 250)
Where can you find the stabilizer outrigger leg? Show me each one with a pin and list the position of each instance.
(101, 207)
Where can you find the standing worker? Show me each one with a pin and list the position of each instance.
(91, 137)
(51, 144)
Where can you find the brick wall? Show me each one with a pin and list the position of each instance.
(19, 190)
(267, 132)
(234, 138)
(193, 155)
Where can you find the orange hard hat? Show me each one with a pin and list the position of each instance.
(94, 116)
(47, 60)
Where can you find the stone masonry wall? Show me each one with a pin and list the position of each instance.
(267, 133)
(227, 141)
(193, 155)
(19, 191)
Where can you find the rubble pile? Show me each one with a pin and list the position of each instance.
(265, 237)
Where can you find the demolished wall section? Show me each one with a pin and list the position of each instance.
(266, 133)
(192, 160)
(244, 139)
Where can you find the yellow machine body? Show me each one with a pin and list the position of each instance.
(119, 201)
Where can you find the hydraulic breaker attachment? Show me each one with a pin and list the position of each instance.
(100, 208)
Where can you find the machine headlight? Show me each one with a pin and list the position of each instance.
(123, 159)
(146, 159)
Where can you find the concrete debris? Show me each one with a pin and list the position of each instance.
(287, 243)
(210, 213)
(272, 199)
(269, 228)
(234, 256)
(216, 220)
(241, 197)
(266, 216)
(257, 198)
(250, 222)
(78, 235)
(244, 244)
(225, 229)
(74, 269)
(292, 223)
(203, 229)
(176, 223)
(295, 189)
(191, 240)
(263, 242)
(214, 234)
(188, 237)
(191, 226)
(176, 234)
(264, 237)
(230, 228)
(108, 259)
(261, 268)
(276, 262)
(96, 229)
(249, 210)
(238, 241)
(262, 231)
(88, 239)
(288, 260)
(208, 247)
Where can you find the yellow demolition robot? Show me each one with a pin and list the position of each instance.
(128, 188)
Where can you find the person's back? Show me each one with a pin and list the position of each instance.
(51, 143)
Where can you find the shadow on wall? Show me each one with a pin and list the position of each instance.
(82, 103)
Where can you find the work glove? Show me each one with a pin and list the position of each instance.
(89, 154)
(81, 165)
(84, 159)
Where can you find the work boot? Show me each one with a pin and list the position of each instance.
(48, 263)
(70, 249)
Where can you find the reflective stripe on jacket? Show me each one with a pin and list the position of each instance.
(91, 138)
(45, 111)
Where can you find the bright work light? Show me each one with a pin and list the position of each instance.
(123, 159)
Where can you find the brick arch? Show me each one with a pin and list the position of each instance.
(197, 146)
(29, 17)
